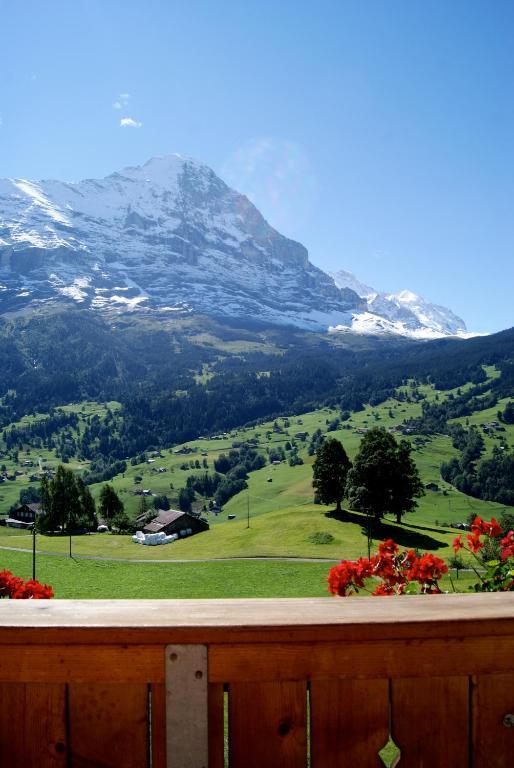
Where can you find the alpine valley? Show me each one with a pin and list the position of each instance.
(164, 290)
(156, 314)
(170, 239)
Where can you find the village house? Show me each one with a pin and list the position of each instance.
(175, 521)
(24, 516)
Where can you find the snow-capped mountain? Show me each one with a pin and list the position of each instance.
(169, 238)
(403, 313)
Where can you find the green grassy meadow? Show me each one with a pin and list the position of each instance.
(44, 458)
(83, 579)
(74, 578)
(274, 518)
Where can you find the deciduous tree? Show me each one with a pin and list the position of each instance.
(384, 477)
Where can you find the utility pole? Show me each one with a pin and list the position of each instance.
(369, 537)
(248, 510)
(34, 550)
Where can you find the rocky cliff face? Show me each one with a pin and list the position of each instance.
(171, 238)
(168, 237)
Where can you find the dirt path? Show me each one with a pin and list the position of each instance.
(169, 560)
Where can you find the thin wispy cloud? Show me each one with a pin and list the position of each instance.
(129, 122)
(121, 101)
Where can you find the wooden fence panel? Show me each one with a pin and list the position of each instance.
(108, 725)
(430, 721)
(268, 724)
(388, 659)
(82, 663)
(493, 739)
(158, 725)
(216, 706)
(349, 722)
(32, 725)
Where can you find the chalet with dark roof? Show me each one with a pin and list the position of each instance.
(174, 521)
(24, 516)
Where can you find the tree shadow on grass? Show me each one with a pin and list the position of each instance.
(404, 536)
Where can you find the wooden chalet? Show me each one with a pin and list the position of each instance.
(174, 521)
(24, 516)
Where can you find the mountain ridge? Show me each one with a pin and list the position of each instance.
(170, 238)
(406, 312)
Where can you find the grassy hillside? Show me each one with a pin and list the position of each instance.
(85, 579)
(43, 457)
(284, 521)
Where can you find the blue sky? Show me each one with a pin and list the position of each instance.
(379, 134)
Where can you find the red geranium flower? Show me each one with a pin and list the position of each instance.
(387, 547)
(340, 578)
(493, 528)
(33, 590)
(507, 545)
(383, 589)
(474, 542)
(481, 527)
(18, 589)
(6, 578)
(427, 568)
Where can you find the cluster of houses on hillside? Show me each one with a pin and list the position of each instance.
(492, 426)
(11, 476)
(397, 429)
(142, 492)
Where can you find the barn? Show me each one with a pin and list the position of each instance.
(174, 521)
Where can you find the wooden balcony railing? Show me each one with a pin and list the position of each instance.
(286, 683)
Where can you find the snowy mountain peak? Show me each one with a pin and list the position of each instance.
(407, 297)
(170, 237)
(161, 171)
(404, 313)
(345, 279)
(165, 237)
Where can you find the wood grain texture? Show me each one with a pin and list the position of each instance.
(400, 658)
(349, 722)
(108, 725)
(82, 664)
(158, 724)
(259, 620)
(430, 721)
(493, 743)
(32, 726)
(267, 725)
(107, 653)
(216, 725)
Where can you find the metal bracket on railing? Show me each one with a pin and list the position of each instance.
(187, 744)
(508, 721)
